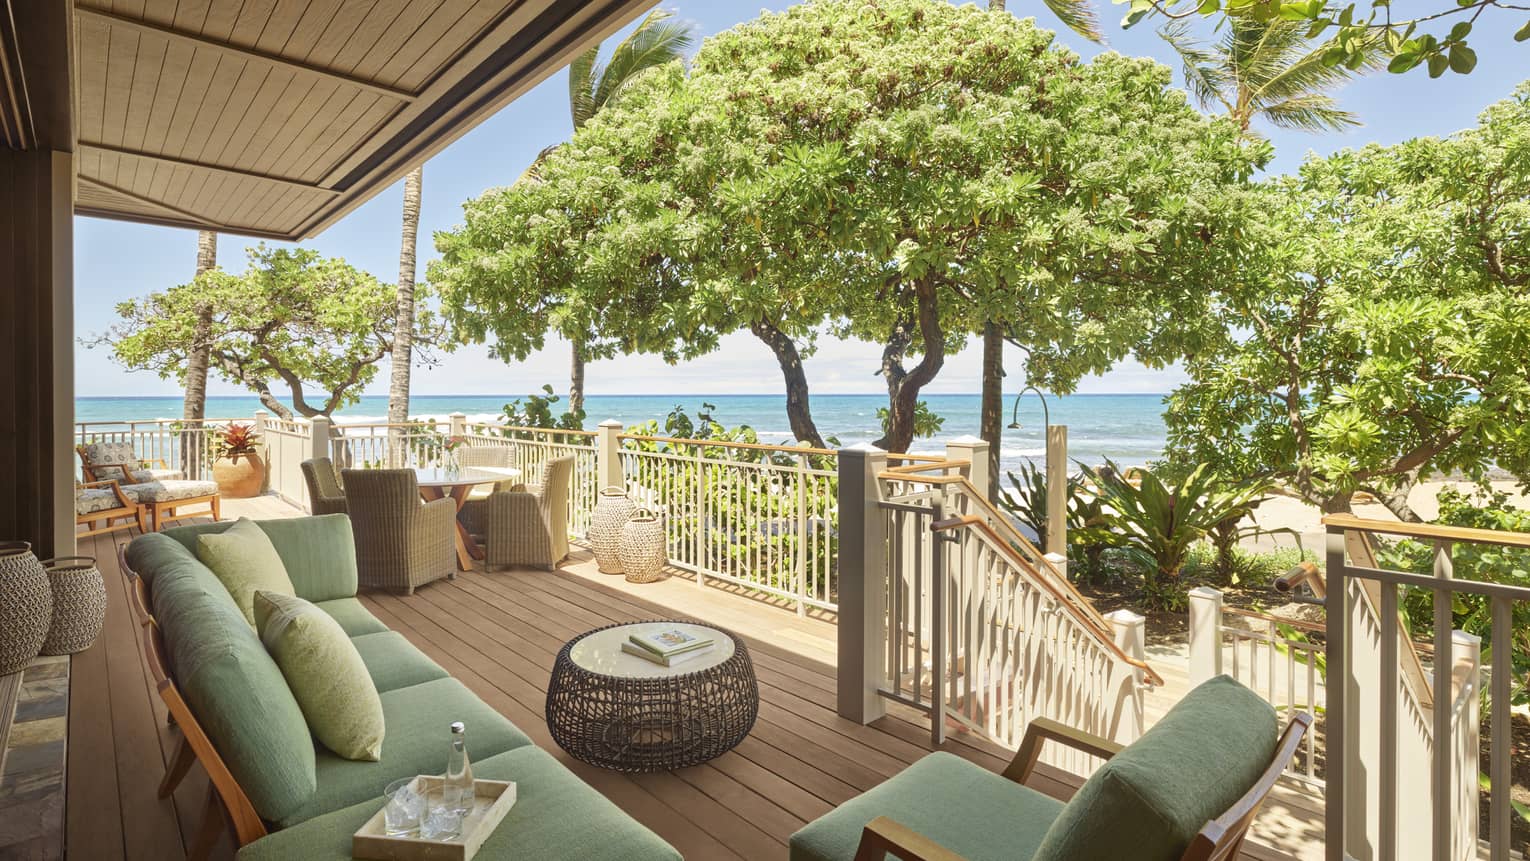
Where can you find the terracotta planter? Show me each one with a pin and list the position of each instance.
(240, 476)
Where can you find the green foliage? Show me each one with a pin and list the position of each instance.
(1244, 568)
(1028, 503)
(293, 318)
(1481, 562)
(1355, 34)
(537, 412)
(1157, 524)
(927, 422)
(900, 171)
(1380, 331)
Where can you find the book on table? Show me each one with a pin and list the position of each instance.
(666, 660)
(669, 641)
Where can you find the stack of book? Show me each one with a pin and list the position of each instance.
(668, 647)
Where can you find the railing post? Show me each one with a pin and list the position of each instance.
(1059, 562)
(318, 437)
(1466, 652)
(974, 451)
(608, 456)
(862, 572)
(261, 419)
(1057, 490)
(458, 424)
(1205, 634)
(1336, 654)
(1130, 632)
(799, 563)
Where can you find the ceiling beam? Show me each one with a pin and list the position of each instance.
(208, 224)
(198, 165)
(144, 27)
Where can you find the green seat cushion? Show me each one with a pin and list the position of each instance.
(1149, 801)
(319, 552)
(964, 807)
(418, 720)
(556, 815)
(245, 562)
(355, 619)
(325, 674)
(232, 685)
(393, 662)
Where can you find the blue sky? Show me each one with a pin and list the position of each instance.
(116, 260)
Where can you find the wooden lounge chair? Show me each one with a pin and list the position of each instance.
(101, 461)
(103, 506)
(1187, 790)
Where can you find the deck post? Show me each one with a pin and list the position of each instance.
(318, 437)
(862, 583)
(974, 451)
(1205, 634)
(608, 456)
(459, 424)
(262, 418)
(1130, 633)
(1057, 490)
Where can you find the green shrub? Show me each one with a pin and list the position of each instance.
(1028, 503)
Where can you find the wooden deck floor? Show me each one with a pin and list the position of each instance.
(498, 633)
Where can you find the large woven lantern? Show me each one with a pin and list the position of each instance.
(642, 547)
(26, 606)
(606, 523)
(79, 604)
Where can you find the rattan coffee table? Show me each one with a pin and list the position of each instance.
(624, 713)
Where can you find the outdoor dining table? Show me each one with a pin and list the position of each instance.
(456, 484)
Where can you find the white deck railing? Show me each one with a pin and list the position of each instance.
(177, 444)
(1403, 746)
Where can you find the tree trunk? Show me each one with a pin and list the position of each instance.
(991, 418)
(576, 378)
(194, 409)
(1396, 498)
(402, 360)
(903, 386)
(798, 411)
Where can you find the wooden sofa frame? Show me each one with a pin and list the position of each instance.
(224, 795)
(1219, 840)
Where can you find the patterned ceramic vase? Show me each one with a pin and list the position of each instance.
(79, 604)
(26, 606)
(642, 547)
(611, 513)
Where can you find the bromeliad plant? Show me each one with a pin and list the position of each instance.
(1028, 504)
(235, 440)
(1157, 522)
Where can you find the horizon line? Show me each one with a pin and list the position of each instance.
(641, 395)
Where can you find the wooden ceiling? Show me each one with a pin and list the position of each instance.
(274, 118)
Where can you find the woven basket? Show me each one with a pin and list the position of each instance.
(26, 606)
(642, 547)
(79, 604)
(611, 514)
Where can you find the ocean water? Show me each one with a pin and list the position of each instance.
(1126, 428)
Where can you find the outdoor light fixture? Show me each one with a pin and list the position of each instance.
(1014, 414)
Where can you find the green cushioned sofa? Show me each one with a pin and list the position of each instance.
(1187, 790)
(273, 777)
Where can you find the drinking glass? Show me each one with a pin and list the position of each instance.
(404, 809)
(442, 821)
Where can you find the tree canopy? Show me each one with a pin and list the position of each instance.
(293, 319)
(899, 171)
(1382, 331)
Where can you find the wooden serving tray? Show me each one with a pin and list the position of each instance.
(494, 798)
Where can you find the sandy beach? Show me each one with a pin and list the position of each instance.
(1285, 512)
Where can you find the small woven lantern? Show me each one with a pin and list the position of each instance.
(79, 604)
(643, 553)
(611, 513)
(26, 606)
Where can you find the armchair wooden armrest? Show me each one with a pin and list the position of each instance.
(883, 836)
(1045, 729)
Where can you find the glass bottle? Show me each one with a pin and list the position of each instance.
(457, 787)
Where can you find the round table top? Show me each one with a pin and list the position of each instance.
(601, 651)
(438, 477)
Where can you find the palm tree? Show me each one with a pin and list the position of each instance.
(402, 356)
(1266, 69)
(593, 85)
(1078, 15)
(194, 408)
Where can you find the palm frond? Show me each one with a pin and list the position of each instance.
(1204, 76)
(656, 41)
(533, 171)
(1307, 73)
(1310, 112)
(581, 101)
(1079, 16)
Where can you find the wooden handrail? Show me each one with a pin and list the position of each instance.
(1303, 624)
(1077, 606)
(712, 443)
(903, 472)
(1429, 531)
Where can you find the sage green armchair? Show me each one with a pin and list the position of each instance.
(401, 542)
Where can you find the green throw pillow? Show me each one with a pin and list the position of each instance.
(245, 561)
(325, 673)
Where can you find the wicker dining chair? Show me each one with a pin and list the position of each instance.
(401, 542)
(324, 493)
(529, 526)
(475, 511)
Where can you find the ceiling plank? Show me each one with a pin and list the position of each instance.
(214, 168)
(144, 27)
